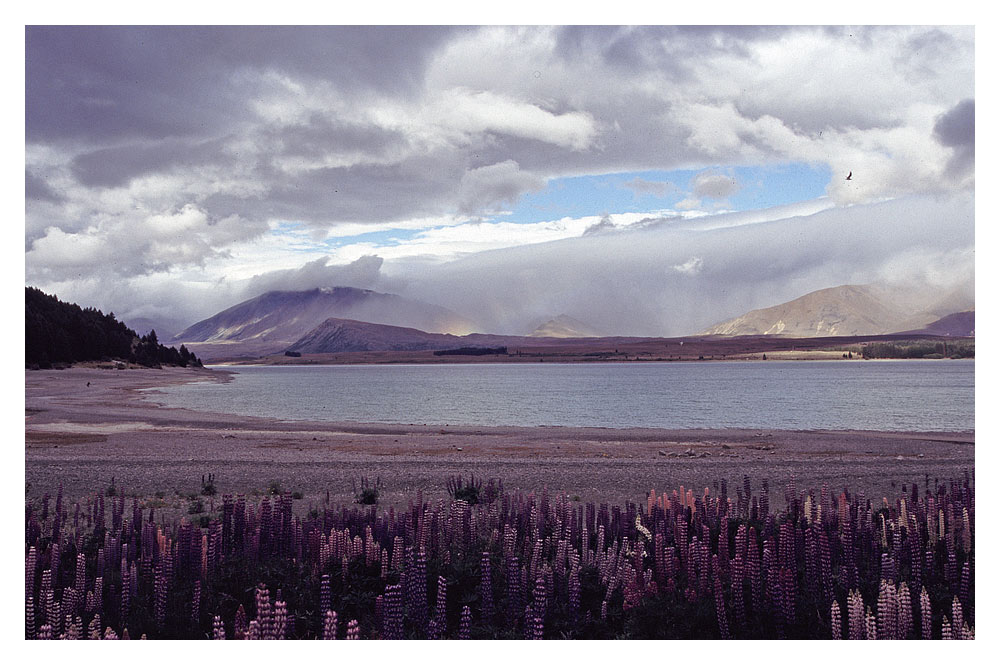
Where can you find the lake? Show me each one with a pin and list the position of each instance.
(931, 395)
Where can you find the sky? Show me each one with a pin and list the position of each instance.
(644, 180)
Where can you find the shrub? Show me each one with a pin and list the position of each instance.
(468, 492)
(208, 486)
(368, 494)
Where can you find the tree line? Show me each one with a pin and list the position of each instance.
(60, 332)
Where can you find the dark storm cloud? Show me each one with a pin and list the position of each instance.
(956, 129)
(357, 193)
(117, 166)
(100, 82)
(37, 189)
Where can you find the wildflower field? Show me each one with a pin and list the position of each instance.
(493, 564)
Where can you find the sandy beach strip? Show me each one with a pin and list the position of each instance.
(81, 436)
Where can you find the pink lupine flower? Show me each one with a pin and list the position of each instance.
(330, 625)
(353, 631)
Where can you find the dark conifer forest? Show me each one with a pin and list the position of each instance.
(59, 332)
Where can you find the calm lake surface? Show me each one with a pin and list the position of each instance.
(930, 395)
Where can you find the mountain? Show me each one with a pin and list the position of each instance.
(164, 328)
(564, 326)
(959, 324)
(343, 335)
(842, 310)
(273, 321)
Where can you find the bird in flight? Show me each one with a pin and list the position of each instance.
(849, 173)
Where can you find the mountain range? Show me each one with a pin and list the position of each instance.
(344, 319)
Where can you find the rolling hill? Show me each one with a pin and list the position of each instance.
(840, 311)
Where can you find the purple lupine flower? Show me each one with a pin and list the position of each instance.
(856, 616)
(720, 601)
(957, 620)
(280, 630)
(925, 615)
(465, 623)
(74, 629)
(254, 631)
(160, 596)
(392, 613)
(904, 605)
(441, 609)
(240, 626)
(29, 618)
(886, 618)
(324, 595)
(871, 627)
(196, 603)
(30, 567)
(836, 629)
(485, 589)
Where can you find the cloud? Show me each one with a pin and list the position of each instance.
(154, 154)
(690, 267)
(714, 185)
(362, 273)
(956, 129)
(643, 187)
(716, 268)
(489, 186)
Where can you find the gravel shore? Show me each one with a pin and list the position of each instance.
(84, 426)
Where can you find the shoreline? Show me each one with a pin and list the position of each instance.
(81, 436)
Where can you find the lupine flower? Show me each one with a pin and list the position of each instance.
(330, 625)
(218, 629)
(836, 629)
(353, 631)
(465, 623)
(690, 558)
(485, 589)
(925, 614)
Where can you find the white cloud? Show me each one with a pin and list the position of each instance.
(690, 267)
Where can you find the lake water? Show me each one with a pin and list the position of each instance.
(931, 395)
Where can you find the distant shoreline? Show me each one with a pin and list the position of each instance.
(593, 350)
(312, 361)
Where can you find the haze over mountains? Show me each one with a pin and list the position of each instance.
(345, 319)
(564, 326)
(849, 310)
